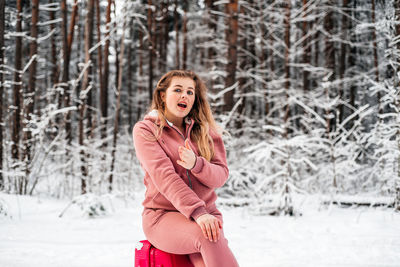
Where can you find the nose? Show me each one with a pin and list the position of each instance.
(184, 94)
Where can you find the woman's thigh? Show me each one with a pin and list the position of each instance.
(171, 231)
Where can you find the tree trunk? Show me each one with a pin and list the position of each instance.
(65, 74)
(166, 36)
(72, 26)
(255, 109)
(160, 32)
(306, 52)
(243, 61)
(117, 111)
(287, 67)
(29, 107)
(80, 35)
(212, 25)
(155, 36)
(67, 93)
(85, 90)
(288, 204)
(271, 43)
(343, 50)
(104, 83)
(397, 184)
(263, 58)
(2, 30)
(231, 36)
(140, 87)
(100, 48)
(151, 48)
(330, 64)
(376, 65)
(130, 73)
(176, 26)
(116, 51)
(55, 68)
(315, 55)
(271, 64)
(185, 41)
(17, 88)
(354, 53)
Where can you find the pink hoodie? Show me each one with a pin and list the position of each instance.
(169, 185)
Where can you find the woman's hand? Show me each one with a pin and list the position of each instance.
(188, 158)
(210, 226)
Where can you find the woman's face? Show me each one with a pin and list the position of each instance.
(179, 98)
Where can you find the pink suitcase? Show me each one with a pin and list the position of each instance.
(148, 256)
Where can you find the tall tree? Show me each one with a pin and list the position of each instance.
(354, 53)
(243, 61)
(29, 106)
(85, 90)
(270, 42)
(116, 47)
(72, 24)
(105, 74)
(231, 36)
(54, 65)
(130, 72)
(67, 43)
(330, 66)
(343, 52)
(176, 26)
(263, 55)
(151, 47)
(117, 109)
(17, 87)
(397, 18)
(287, 206)
(375, 49)
(140, 72)
(330, 61)
(212, 25)
(210, 52)
(155, 36)
(185, 39)
(287, 65)
(164, 36)
(306, 48)
(100, 49)
(2, 29)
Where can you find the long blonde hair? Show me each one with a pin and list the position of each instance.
(201, 112)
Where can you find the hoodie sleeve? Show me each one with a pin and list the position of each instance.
(214, 173)
(160, 168)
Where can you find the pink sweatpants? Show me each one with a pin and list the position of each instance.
(172, 232)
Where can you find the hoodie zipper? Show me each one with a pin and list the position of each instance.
(187, 171)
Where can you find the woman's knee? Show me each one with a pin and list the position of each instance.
(202, 243)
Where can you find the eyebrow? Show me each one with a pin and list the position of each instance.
(178, 85)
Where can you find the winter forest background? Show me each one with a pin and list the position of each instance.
(308, 90)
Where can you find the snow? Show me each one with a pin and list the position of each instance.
(34, 235)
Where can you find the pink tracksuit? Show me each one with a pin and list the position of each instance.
(175, 196)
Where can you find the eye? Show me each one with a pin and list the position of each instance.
(190, 92)
(177, 90)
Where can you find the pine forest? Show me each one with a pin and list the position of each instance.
(308, 90)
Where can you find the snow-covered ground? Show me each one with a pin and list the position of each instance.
(323, 236)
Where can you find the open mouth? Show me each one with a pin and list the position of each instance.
(182, 105)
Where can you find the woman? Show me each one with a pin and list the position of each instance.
(182, 153)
